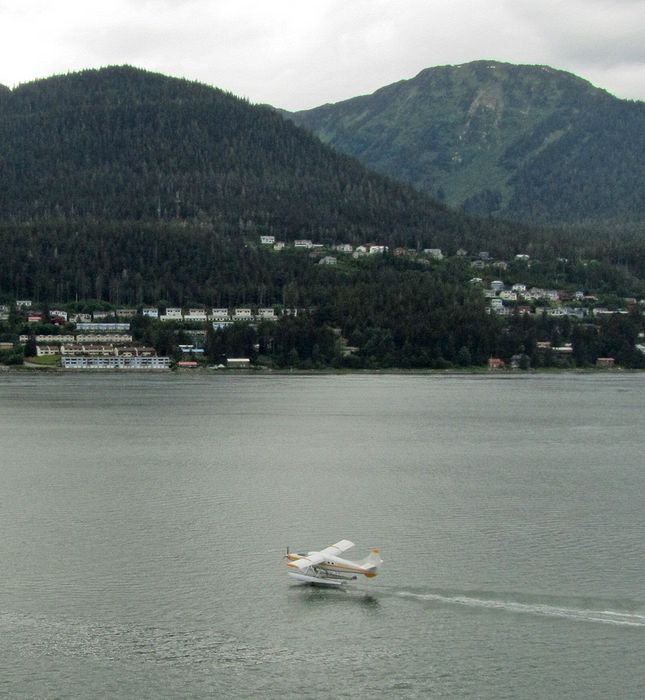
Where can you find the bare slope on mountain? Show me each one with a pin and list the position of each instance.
(526, 142)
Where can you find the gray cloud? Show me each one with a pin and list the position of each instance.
(299, 54)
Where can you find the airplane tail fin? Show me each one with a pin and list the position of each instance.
(373, 560)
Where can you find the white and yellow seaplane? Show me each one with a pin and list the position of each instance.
(326, 568)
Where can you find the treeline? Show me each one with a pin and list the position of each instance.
(463, 336)
(134, 264)
(121, 144)
(87, 154)
(376, 312)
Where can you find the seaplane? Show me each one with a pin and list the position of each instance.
(326, 568)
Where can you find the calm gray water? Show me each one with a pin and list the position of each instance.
(143, 520)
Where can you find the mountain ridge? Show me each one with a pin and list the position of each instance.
(496, 138)
(123, 143)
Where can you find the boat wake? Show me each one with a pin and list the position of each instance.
(607, 617)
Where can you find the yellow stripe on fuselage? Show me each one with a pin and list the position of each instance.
(328, 566)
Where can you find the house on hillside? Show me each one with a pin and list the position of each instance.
(242, 315)
(266, 314)
(328, 260)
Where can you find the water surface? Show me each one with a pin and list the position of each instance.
(143, 521)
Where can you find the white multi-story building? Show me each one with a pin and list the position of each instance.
(267, 314)
(150, 311)
(154, 362)
(220, 315)
(47, 350)
(196, 316)
(105, 327)
(49, 338)
(172, 314)
(113, 338)
(242, 315)
(90, 349)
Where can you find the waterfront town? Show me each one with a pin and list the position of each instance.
(103, 338)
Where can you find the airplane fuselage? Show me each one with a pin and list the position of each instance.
(339, 565)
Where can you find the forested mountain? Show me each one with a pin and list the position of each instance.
(88, 156)
(525, 142)
(121, 186)
(123, 144)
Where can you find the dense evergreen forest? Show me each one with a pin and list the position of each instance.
(122, 187)
(121, 144)
(529, 143)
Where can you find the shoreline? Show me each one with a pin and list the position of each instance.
(266, 371)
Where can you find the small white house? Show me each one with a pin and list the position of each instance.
(220, 315)
(238, 362)
(267, 240)
(242, 315)
(303, 243)
(434, 253)
(267, 314)
(497, 285)
(150, 311)
(196, 316)
(328, 260)
(126, 313)
(47, 350)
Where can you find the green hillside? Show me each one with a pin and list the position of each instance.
(122, 187)
(526, 142)
(123, 144)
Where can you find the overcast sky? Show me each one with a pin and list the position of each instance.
(302, 53)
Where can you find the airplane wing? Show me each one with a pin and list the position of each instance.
(314, 558)
(335, 549)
